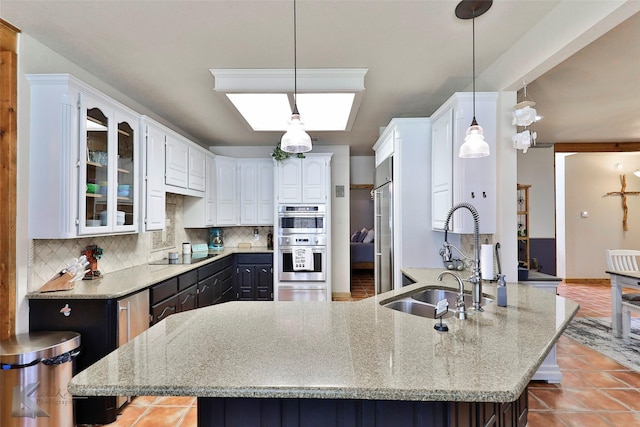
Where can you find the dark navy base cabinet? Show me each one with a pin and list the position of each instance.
(227, 412)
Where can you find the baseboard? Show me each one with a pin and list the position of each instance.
(341, 296)
(582, 281)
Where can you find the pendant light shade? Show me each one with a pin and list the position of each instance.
(296, 139)
(474, 144)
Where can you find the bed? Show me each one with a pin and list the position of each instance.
(362, 256)
(362, 253)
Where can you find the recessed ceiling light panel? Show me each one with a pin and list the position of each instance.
(263, 111)
(327, 98)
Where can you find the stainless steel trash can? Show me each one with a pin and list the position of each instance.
(35, 369)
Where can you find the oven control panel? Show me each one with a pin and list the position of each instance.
(303, 240)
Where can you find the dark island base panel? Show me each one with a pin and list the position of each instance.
(233, 412)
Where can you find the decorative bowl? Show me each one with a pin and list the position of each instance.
(93, 188)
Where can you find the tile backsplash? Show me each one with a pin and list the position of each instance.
(48, 257)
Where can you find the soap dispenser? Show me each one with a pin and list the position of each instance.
(501, 291)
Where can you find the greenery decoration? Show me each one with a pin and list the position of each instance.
(280, 155)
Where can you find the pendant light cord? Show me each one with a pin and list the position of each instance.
(295, 62)
(473, 44)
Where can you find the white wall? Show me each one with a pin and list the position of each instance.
(363, 169)
(588, 178)
(536, 168)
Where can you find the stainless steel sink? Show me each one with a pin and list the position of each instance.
(423, 302)
(433, 295)
(417, 308)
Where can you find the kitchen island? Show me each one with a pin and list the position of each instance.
(341, 363)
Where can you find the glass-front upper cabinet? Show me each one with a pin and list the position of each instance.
(108, 173)
(83, 161)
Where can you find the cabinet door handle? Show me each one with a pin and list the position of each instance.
(126, 308)
(264, 270)
(170, 308)
(247, 270)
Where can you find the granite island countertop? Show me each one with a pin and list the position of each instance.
(338, 350)
(128, 281)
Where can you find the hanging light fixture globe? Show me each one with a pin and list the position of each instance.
(474, 144)
(296, 139)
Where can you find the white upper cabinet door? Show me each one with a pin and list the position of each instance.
(226, 191)
(290, 181)
(155, 195)
(441, 170)
(265, 192)
(305, 180)
(127, 171)
(314, 180)
(248, 172)
(210, 197)
(197, 168)
(177, 162)
(456, 180)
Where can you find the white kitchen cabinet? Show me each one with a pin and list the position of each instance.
(239, 192)
(200, 212)
(306, 180)
(455, 180)
(185, 166)
(83, 161)
(197, 167)
(256, 191)
(176, 161)
(154, 136)
(226, 185)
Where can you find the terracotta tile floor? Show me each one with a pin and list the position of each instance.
(595, 390)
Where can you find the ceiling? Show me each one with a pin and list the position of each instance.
(418, 53)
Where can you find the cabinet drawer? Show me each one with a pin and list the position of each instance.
(226, 262)
(209, 270)
(164, 290)
(188, 299)
(164, 309)
(187, 279)
(255, 259)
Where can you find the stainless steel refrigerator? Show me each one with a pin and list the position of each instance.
(383, 238)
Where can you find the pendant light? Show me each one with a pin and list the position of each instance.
(296, 139)
(474, 143)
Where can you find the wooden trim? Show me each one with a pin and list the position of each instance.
(596, 147)
(341, 296)
(8, 174)
(8, 37)
(361, 187)
(362, 265)
(582, 281)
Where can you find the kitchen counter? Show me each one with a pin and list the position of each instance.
(338, 350)
(125, 282)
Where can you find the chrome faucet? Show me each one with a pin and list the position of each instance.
(460, 307)
(475, 279)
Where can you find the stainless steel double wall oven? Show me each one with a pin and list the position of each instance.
(302, 226)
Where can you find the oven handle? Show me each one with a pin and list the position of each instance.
(314, 249)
